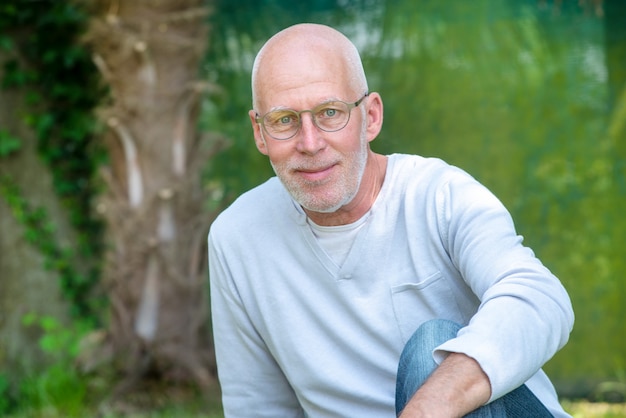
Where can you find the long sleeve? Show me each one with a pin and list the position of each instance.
(252, 382)
(525, 315)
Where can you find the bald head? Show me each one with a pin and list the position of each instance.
(306, 48)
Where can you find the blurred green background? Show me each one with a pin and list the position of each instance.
(524, 95)
(528, 96)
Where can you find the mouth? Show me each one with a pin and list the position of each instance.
(315, 174)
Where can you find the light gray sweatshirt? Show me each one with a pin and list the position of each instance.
(298, 335)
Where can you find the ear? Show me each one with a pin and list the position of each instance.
(258, 138)
(374, 115)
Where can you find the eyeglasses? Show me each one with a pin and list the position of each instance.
(330, 116)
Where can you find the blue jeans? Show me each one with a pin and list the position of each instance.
(416, 364)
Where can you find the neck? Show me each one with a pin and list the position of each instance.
(372, 182)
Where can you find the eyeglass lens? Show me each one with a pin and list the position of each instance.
(329, 117)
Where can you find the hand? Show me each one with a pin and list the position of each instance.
(457, 387)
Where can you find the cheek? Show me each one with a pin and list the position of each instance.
(350, 144)
(278, 153)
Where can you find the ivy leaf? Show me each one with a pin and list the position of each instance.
(8, 144)
(29, 319)
(6, 43)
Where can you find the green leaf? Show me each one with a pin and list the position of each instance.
(49, 323)
(29, 319)
(8, 144)
(6, 43)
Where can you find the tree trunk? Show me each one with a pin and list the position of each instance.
(149, 53)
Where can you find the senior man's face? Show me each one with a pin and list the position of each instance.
(321, 170)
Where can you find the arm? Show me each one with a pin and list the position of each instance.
(457, 387)
(525, 315)
(252, 383)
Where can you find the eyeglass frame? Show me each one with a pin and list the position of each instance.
(351, 105)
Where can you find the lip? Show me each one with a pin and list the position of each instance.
(316, 174)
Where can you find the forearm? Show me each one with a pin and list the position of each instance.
(457, 387)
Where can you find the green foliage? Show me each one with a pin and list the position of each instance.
(39, 231)
(59, 387)
(519, 100)
(5, 403)
(57, 390)
(8, 144)
(59, 342)
(61, 87)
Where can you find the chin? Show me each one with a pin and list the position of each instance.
(325, 207)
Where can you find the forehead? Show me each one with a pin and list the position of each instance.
(301, 73)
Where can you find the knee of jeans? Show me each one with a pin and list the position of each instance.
(416, 362)
(435, 327)
(433, 333)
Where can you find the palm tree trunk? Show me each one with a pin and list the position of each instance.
(149, 54)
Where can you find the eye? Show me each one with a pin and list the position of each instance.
(281, 117)
(329, 111)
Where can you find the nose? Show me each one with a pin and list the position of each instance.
(309, 139)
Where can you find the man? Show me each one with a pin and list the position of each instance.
(338, 286)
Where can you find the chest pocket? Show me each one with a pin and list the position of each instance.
(418, 302)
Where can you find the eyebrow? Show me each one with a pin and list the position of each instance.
(328, 100)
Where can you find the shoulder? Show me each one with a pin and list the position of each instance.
(427, 174)
(441, 190)
(424, 166)
(257, 206)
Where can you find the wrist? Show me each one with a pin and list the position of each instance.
(457, 387)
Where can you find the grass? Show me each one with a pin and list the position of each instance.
(147, 401)
(584, 409)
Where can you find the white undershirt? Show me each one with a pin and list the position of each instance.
(337, 240)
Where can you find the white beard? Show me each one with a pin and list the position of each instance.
(341, 192)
